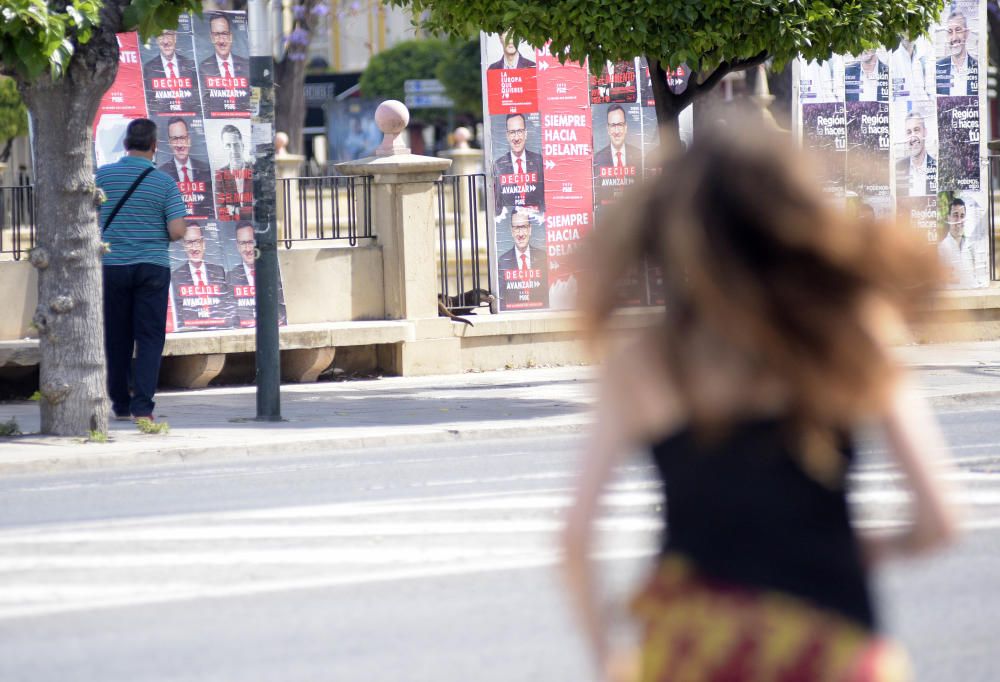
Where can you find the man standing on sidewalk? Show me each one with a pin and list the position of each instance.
(138, 227)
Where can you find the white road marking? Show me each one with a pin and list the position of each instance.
(59, 568)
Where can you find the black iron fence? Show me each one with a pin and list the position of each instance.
(324, 208)
(17, 220)
(464, 244)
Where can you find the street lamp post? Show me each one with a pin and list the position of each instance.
(265, 222)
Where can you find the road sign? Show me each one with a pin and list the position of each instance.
(428, 101)
(426, 86)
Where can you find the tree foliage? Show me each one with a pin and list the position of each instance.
(713, 37)
(13, 116)
(462, 80)
(411, 59)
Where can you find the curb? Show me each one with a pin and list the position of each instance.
(296, 446)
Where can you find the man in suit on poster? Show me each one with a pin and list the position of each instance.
(170, 74)
(958, 73)
(224, 64)
(209, 299)
(866, 80)
(518, 176)
(243, 278)
(523, 269)
(617, 154)
(512, 57)
(193, 177)
(234, 181)
(168, 64)
(916, 175)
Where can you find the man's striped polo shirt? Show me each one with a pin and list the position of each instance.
(139, 231)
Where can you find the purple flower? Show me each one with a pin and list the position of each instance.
(321, 10)
(298, 11)
(299, 36)
(355, 6)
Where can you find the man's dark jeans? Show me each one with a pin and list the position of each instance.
(135, 315)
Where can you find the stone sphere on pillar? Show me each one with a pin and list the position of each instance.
(462, 136)
(280, 143)
(392, 117)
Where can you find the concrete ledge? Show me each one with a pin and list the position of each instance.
(319, 335)
(21, 353)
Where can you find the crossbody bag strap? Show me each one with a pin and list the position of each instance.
(121, 202)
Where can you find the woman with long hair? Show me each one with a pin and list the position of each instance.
(772, 349)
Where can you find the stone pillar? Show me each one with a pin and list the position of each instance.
(464, 159)
(286, 168)
(404, 209)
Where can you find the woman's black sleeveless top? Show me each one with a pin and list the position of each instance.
(744, 512)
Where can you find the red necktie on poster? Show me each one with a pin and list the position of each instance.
(199, 281)
(618, 159)
(170, 70)
(187, 178)
(253, 276)
(229, 74)
(520, 169)
(524, 262)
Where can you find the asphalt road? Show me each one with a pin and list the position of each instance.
(430, 563)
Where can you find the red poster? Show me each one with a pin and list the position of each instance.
(123, 101)
(126, 96)
(567, 152)
(512, 91)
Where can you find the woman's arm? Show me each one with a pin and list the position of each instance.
(918, 448)
(632, 399)
(607, 444)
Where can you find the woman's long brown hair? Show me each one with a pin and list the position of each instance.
(754, 256)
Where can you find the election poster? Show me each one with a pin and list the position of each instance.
(193, 82)
(911, 142)
(563, 145)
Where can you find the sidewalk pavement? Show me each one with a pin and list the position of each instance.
(217, 423)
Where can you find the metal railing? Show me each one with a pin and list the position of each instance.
(324, 208)
(17, 220)
(464, 244)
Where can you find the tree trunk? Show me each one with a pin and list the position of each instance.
(668, 105)
(290, 100)
(70, 316)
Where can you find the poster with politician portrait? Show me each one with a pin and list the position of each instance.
(956, 46)
(181, 153)
(239, 248)
(517, 166)
(822, 81)
(618, 158)
(201, 297)
(915, 148)
(866, 76)
(912, 69)
(511, 76)
(224, 64)
(232, 168)
(964, 243)
(522, 262)
(170, 74)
